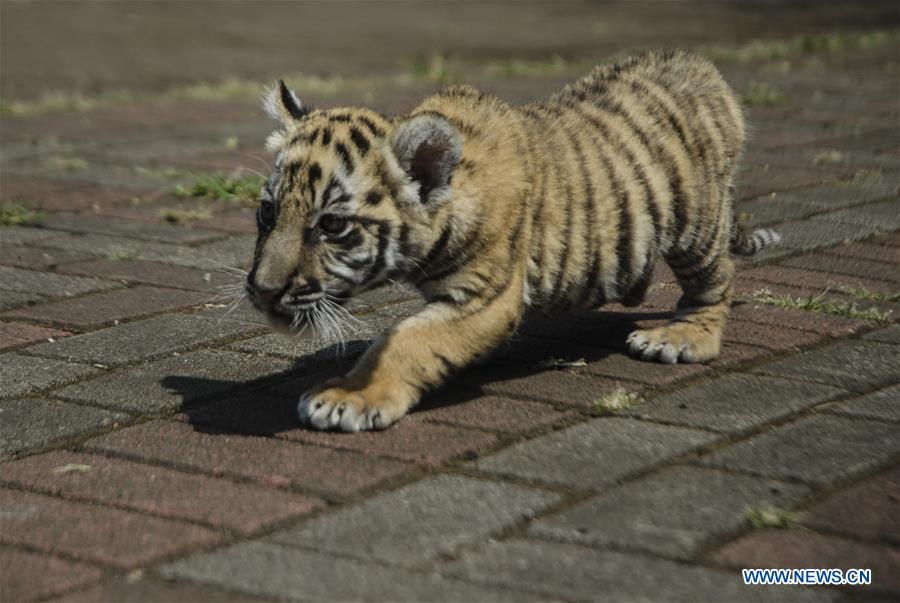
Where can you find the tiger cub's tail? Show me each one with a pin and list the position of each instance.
(751, 243)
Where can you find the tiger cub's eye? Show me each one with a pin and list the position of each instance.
(331, 224)
(265, 215)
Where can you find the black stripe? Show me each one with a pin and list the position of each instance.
(340, 117)
(326, 136)
(341, 149)
(352, 239)
(337, 275)
(373, 198)
(370, 125)
(315, 136)
(287, 100)
(384, 231)
(360, 140)
(438, 248)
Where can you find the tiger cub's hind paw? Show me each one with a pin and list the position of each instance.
(680, 342)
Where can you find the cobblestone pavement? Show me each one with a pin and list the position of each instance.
(151, 450)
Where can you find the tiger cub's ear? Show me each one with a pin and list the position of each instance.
(428, 149)
(283, 106)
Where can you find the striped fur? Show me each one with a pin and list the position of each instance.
(490, 210)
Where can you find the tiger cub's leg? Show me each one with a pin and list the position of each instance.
(414, 356)
(705, 274)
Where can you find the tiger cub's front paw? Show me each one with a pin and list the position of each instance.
(336, 405)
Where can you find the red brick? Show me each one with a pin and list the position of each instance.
(808, 550)
(105, 308)
(870, 509)
(411, 439)
(14, 334)
(159, 491)
(153, 273)
(91, 533)
(490, 413)
(735, 354)
(825, 324)
(555, 386)
(29, 576)
(146, 589)
(38, 259)
(757, 180)
(90, 197)
(867, 251)
(267, 461)
(622, 366)
(813, 280)
(883, 273)
(768, 336)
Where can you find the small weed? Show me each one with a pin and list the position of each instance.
(433, 68)
(771, 517)
(762, 94)
(832, 156)
(618, 399)
(863, 293)
(222, 187)
(821, 304)
(231, 143)
(122, 254)
(68, 164)
(169, 173)
(177, 216)
(17, 213)
(826, 43)
(562, 363)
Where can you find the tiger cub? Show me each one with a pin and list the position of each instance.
(490, 210)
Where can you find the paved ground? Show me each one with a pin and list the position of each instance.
(151, 451)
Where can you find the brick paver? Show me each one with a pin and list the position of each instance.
(92, 533)
(39, 576)
(101, 309)
(156, 490)
(15, 334)
(148, 434)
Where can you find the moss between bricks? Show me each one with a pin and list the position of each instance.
(222, 187)
(821, 304)
(618, 399)
(18, 213)
(771, 517)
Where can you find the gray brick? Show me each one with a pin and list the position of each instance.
(164, 233)
(16, 299)
(672, 513)
(594, 453)
(573, 572)
(883, 404)
(819, 450)
(16, 235)
(419, 522)
(734, 403)
(887, 335)
(816, 232)
(854, 365)
(20, 375)
(48, 284)
(770, 209)
(835, 196)
(163, 386)
(884, 215)
(28, 423)
(259, 568)
(143, 339)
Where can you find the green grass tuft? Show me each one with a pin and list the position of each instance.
(860, 292)
(618, 399)
(18, 213)
(68, 164)
(762, 94)
(222, 187)
(177, 216)
(821, 304)
(771, 517)
(804, 45)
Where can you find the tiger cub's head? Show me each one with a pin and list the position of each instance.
(351, 198)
